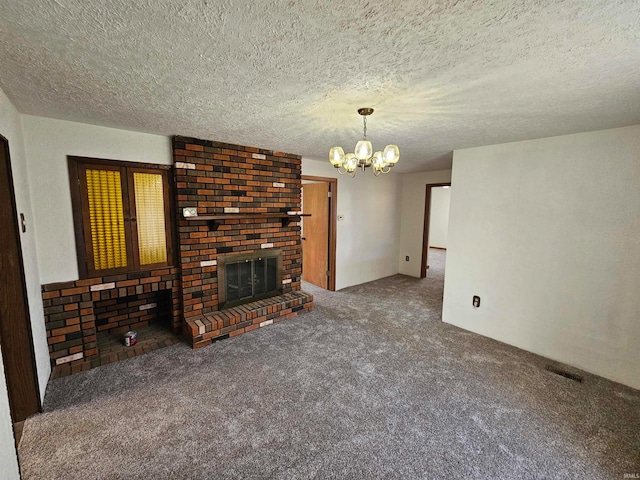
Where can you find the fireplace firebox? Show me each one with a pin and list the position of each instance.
(249, 277)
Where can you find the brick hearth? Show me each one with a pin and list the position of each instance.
(203, 329)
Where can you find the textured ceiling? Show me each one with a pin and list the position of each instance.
(290, 75)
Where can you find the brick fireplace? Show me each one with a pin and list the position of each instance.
(246, 200)
(248, 210)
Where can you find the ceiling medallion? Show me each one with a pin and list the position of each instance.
(363, 156)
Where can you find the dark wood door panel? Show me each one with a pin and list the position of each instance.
(15, 326)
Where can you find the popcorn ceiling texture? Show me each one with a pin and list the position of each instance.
(290, 75)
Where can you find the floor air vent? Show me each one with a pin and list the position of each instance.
(564, 373)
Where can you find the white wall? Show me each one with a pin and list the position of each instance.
(48, 142)
(412, 217)
(8, 454)
(11, 129)
(368, 237)
(547, 232)
(439, 217)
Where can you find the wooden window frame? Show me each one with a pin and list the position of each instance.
(84, 249)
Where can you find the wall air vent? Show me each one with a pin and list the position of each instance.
(564, 373)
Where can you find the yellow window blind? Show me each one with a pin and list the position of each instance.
(149, 197)
(107, 219)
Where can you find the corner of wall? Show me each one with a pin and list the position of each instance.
(8, 453)
(411, 212)
(368, 238)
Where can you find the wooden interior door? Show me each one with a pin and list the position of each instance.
(315, 233)
(15, 326)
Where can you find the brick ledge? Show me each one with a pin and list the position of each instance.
(202, 330)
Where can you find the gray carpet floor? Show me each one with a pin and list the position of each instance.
(371, 384)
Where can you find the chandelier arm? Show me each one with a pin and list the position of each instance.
(341, 167)
(388, 169)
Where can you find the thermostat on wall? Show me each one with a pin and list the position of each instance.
(190, 212)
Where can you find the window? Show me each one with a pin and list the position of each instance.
(121, 213)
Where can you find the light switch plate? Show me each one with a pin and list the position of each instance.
(190, 212)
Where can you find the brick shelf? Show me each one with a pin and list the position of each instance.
(74, 309)
(149, 338)
(112, 349)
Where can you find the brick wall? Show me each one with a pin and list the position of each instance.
(119, 315)
(219, 178)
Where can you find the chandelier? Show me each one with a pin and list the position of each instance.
(363, 156)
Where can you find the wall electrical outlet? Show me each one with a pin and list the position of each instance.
(476, 301)
(406, 259)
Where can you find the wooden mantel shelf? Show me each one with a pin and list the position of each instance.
(214, 221)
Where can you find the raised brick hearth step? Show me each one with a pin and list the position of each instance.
(203, 329)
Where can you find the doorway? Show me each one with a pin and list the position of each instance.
(436, 222)
(15, 324)
(319, 200)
